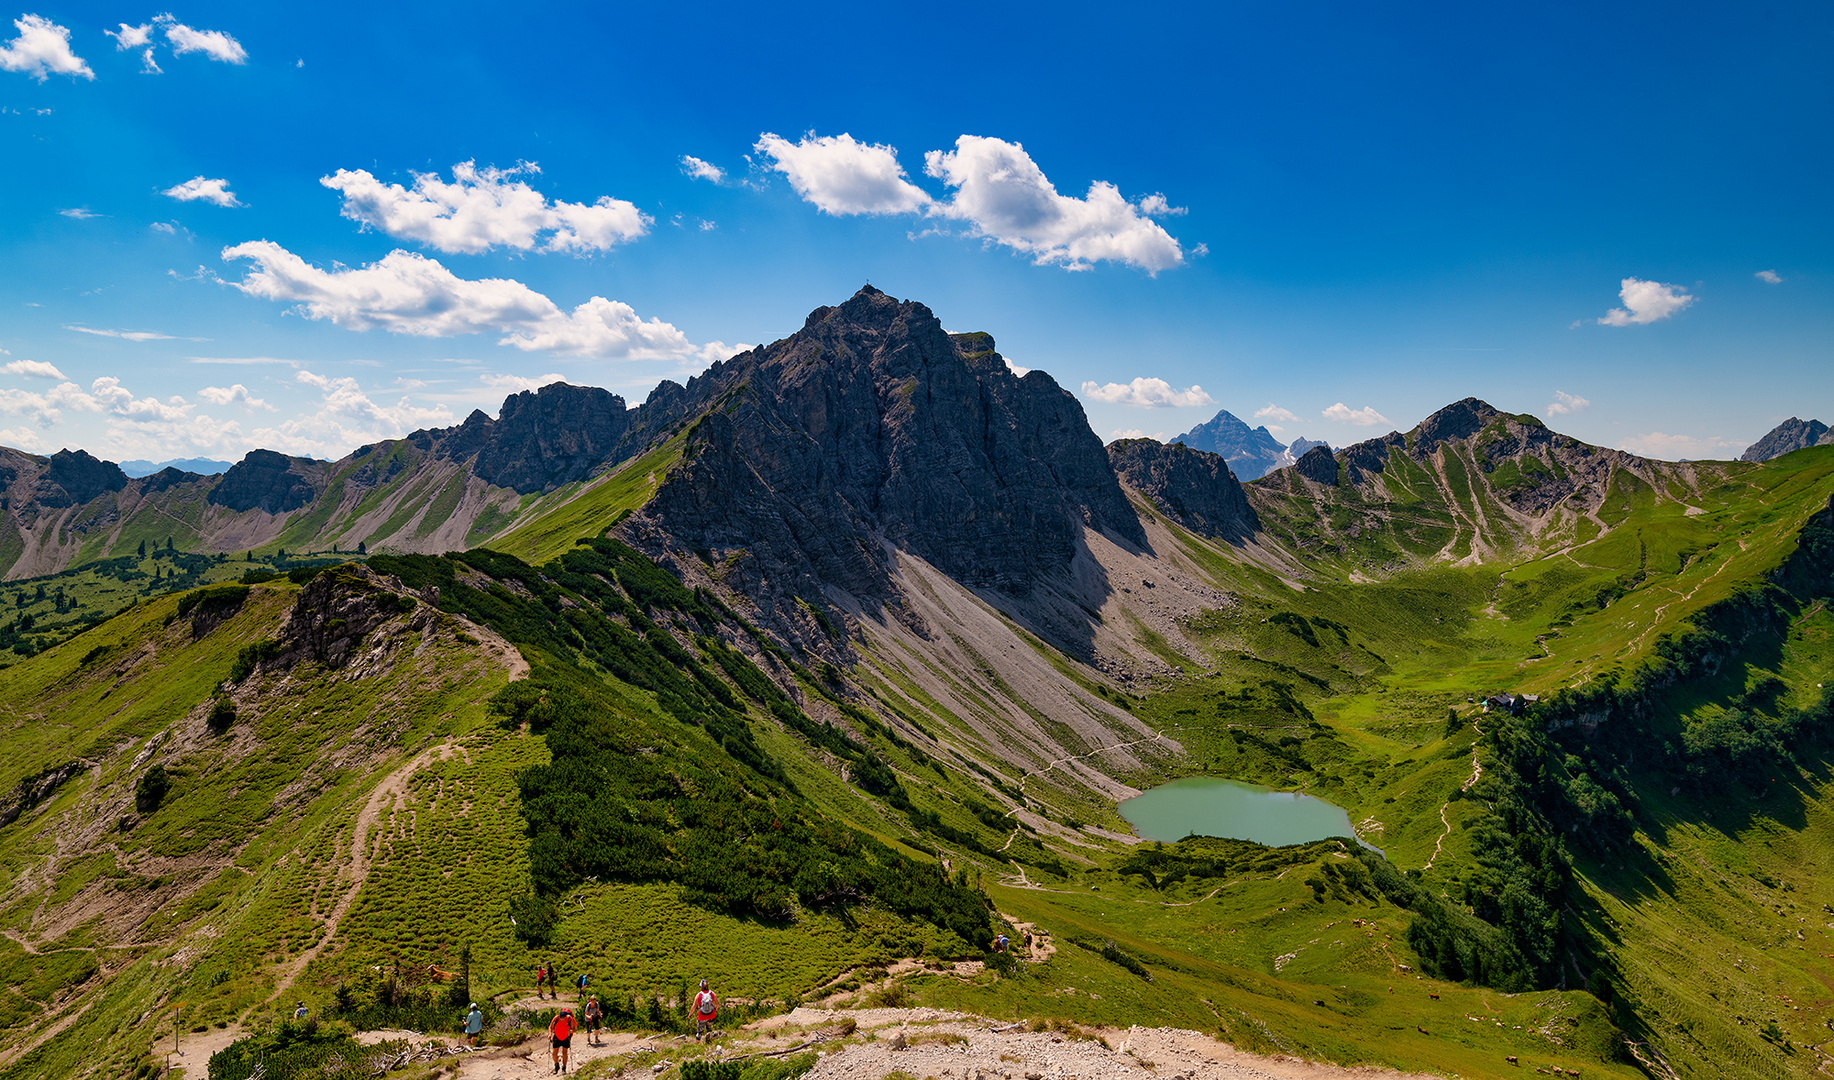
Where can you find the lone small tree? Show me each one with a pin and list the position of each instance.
(143, 549)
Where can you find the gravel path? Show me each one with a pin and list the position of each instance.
(930, 1043)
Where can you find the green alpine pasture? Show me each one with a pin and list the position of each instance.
(1628, 875)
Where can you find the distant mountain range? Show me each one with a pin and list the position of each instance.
(201, 466)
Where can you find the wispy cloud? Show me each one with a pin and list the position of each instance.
(1363, 417)
(702, 170)
(1769, 277)
(130, 335)
(1147, 393)
(80, 213)
(212, 43)
(1565, 404)
(1646, 302)
(41, 50)
(518, 383)
(1667, 447)
(200, 189)
(483, 209)
(1274, 412)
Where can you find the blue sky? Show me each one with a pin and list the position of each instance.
(308, 227)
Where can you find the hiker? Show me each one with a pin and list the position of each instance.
(561, 1035)
(300, 1013)
(541, 973)
(474, 1025)
(706, 1007)
(594, 1015)
(999, 943)
(1028, 943)
(581, 982)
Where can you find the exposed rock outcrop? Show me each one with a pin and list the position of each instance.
(73, 477)
(544, 438)
(1318, 466)
(1789, 436)
(265, 480)
(1197, 490)
(871, 430)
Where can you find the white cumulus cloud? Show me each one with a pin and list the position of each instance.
(702, 170)
(1565, 404)
(1274, 412)
(1145, 393)
(23, 438)
(199, 189)
(1363, 417)
(1645, 302)
(406, 293)
(42, 49)
(236, 394)
(843, 176)
(1006, 197)
(1134, 433)
(345, 417)
(482, 209)
(1769, 277)
(34, 369)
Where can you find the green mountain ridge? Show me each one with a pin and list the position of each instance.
(668, 746)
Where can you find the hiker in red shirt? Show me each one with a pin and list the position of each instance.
(561, 1035)
(706, 1007)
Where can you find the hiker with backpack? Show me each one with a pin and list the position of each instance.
(593, 1017)
(474, 1025)
(560, 1034)
(706, 1008)
(541, 975)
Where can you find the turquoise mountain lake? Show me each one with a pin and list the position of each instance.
(1210, 806)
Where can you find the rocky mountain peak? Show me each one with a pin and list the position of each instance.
(265, 480)
(72, 477)
(1789, 436)
(1459, 420)
(873, 422)
(544, 438)
(1251, 452)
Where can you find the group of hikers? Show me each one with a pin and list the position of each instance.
(706, 1009)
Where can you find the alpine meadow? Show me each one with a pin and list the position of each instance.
(962, 542)
(852, 647)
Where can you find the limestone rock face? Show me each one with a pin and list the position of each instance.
(1198, 490)
(872, 429)
(265, 480)
(1792, 434)
(1318, 466)
(1251, 452)
(73, 477)
(543, 438)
